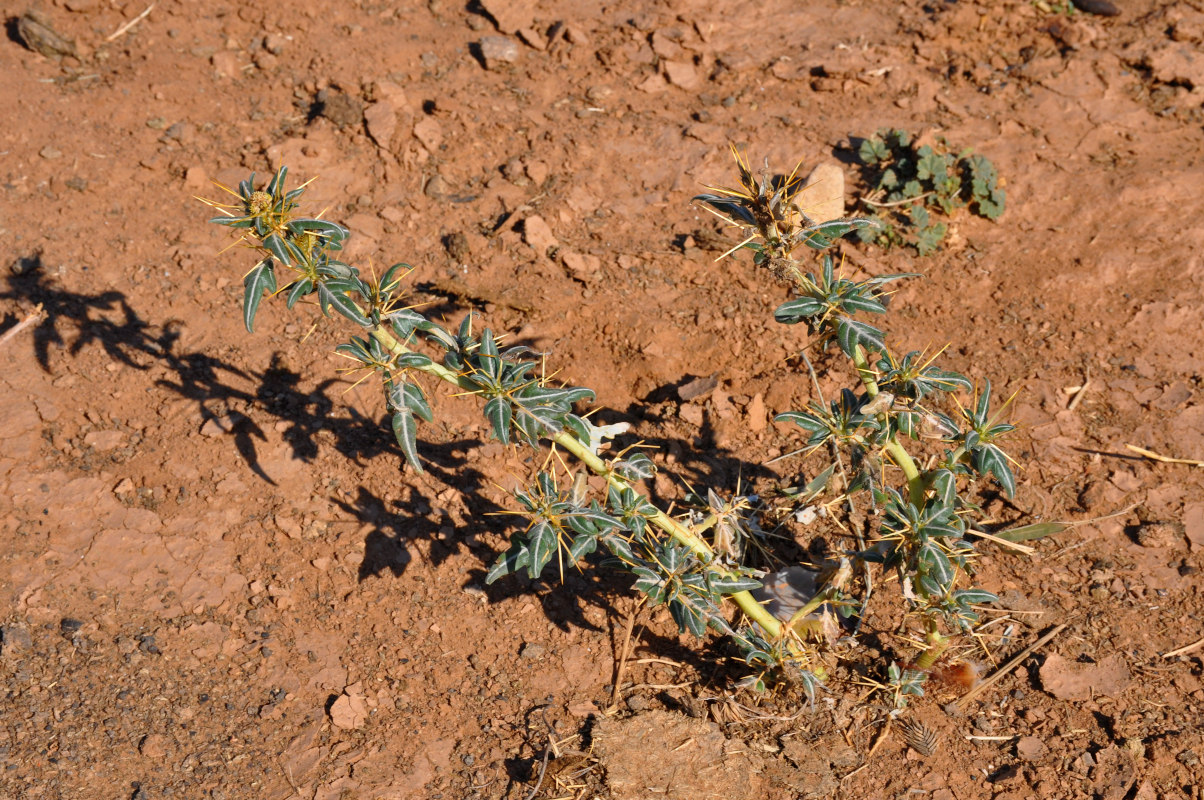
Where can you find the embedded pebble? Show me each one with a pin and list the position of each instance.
(498, 50)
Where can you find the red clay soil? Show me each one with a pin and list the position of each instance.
(219, 580)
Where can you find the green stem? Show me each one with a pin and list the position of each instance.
(683, 535)
(937, 645)
(915, 482)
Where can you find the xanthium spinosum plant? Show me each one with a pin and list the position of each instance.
(697, 564)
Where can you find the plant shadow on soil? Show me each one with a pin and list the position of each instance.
(72, 321)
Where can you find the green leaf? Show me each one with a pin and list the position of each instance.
(637, 466)
(851, 332)
(405, 429)
(824, 235)
(983, 408)
(808, 422)
(275, 245)
(582, 546)
(299, 289)
(277, 183)
(412, 360)
(514, 559)
(233, 222)
(578, 427)
(799, 309)
(357, 348)
(978, 597)
(872, 151)
(862, 301)
(990, 459)
(542, 542)
(687, 617)
(259, 280)
(498, 412)
(730, 584)
(412, 398)
(342, 304)
(936, 564)
(929, 239)
(1028, 533)
(728, 206)
(619, 547)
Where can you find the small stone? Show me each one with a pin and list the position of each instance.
(14, 639)
(275, 43)
(538, 234)
(218, 426)
(1101, 8)
(692, 414)
(532, 650)
(682, 74)
(537, 171)
(381, 119)
(822, 198)
(1067, 680)
(756, 413)
(582, 267)
(1193, 524)
(457, 246)
(1030, 748)
(36, 31)
(533, 38)
(437, 188)
(637, 703)
(124, 486)
(498, 50)
(428, 132)
(575, 35)
(1157, 534)
(195, 177)
(153, 745)
(181, 132)
(102, 441)
(653, 84)
(510, 15)
(50, 153)
(699, 387)
(349, 712)
(226, 64)
(341, 108)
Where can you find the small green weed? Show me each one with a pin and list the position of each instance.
(913, 185)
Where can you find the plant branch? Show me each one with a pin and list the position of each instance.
(915, 481)
(566, 441)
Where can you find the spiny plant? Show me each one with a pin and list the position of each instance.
(697, 564)
(912, 184)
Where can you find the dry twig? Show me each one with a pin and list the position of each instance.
(126, 27)
(1182, 651)
(1080, 392)
(621, 667)
(33, 317)
(1141, 451)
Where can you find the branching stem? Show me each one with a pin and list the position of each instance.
(915, 481)
(680, 533)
